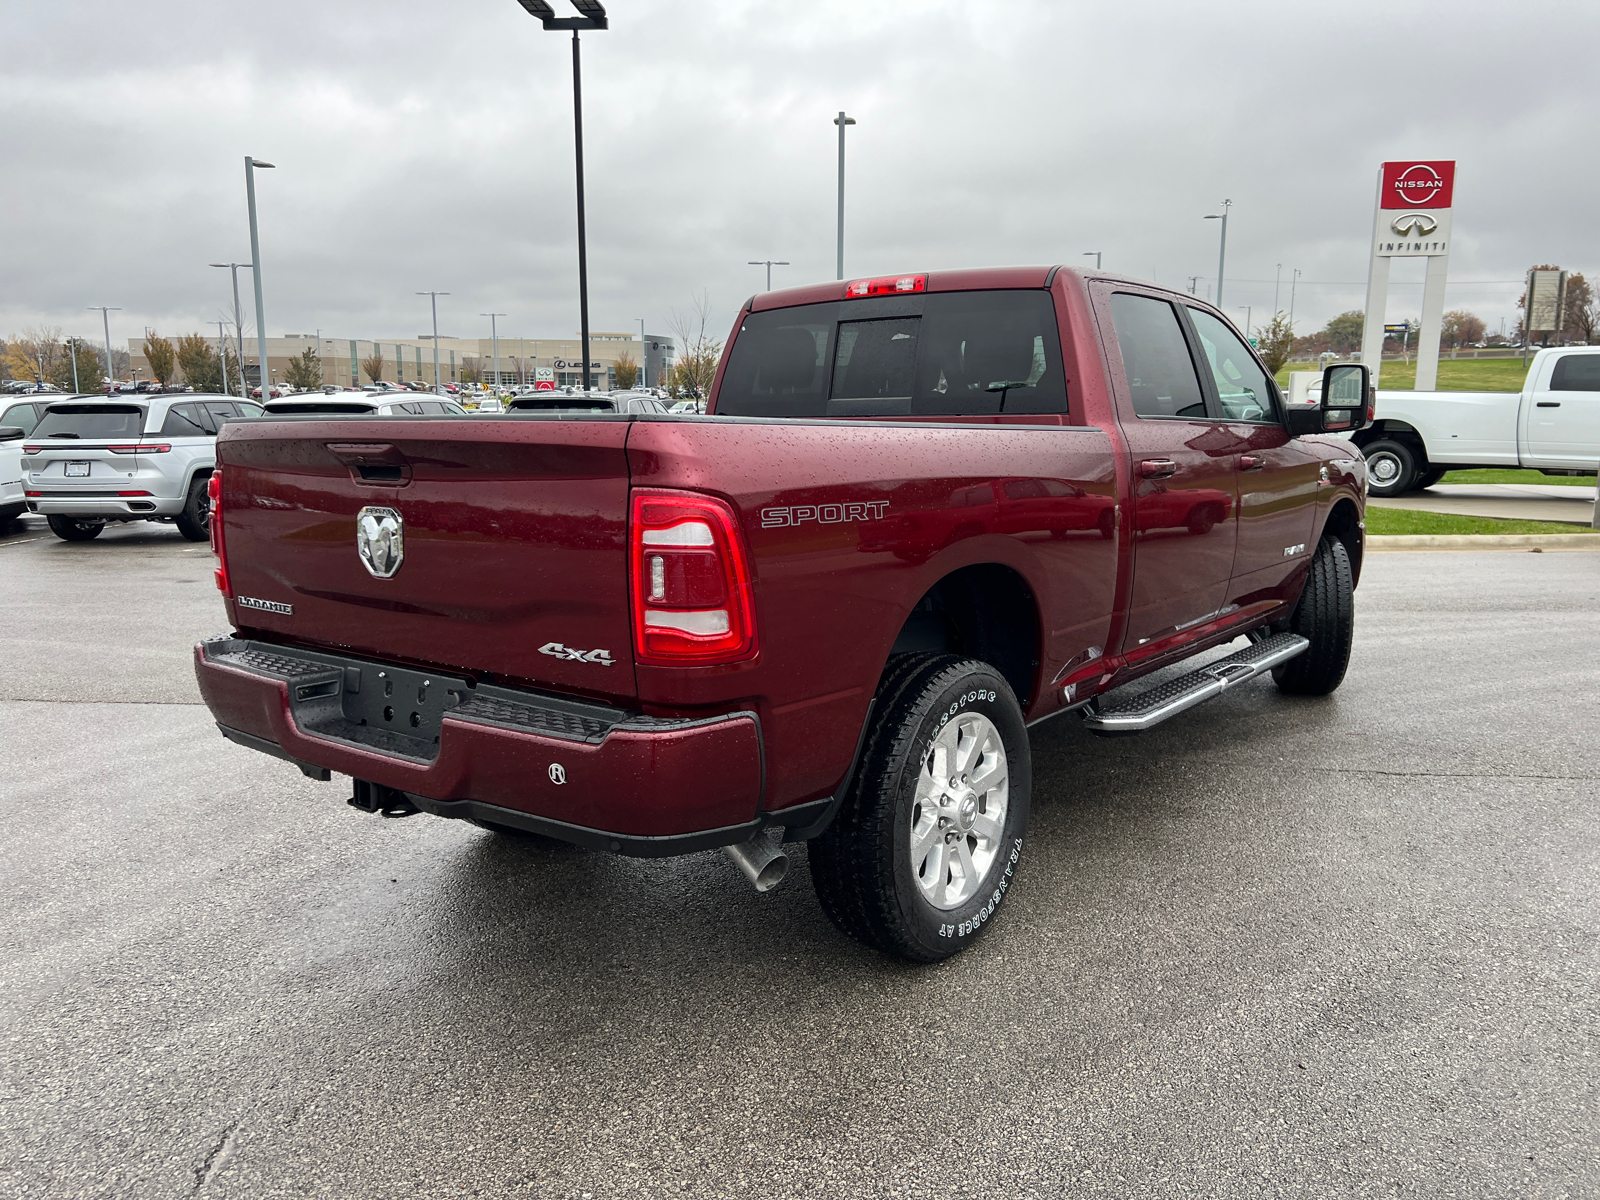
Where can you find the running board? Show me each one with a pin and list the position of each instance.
(1138, 713)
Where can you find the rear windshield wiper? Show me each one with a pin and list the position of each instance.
(59, 435)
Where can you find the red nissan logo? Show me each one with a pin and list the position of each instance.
(1418, 184)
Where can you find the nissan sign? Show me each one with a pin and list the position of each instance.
(1417, 184)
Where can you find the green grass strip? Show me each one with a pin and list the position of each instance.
(1385, 522)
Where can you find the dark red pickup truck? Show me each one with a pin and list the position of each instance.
(923, 513)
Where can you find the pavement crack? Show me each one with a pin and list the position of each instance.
(217, 1159)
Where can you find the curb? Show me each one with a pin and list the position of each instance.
(1485, 541)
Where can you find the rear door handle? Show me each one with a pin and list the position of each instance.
(1251, 462)
(1157, 468)
(1549, 403)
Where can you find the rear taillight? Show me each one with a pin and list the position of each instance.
(219, 545)
(141, 448)
(690, 580)
(888, 285)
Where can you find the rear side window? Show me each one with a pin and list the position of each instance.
(940, 354)
(91, 422)
(1576, 373)
(1155, 357)
(187, 420)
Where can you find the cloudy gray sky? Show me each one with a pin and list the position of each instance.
(429, 145)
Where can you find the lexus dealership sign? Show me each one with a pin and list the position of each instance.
(1411, 220)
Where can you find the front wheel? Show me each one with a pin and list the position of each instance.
(1391, 468)
(1326, 616)
(70, 529)
(927, 842)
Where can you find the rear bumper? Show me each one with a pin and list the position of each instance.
(85, 504)
(582, 772)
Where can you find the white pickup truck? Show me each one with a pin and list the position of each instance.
(1552, 425)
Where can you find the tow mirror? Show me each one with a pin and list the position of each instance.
(10, 433)
(1346, 405)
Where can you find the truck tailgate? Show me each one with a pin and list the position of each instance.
(513, 539)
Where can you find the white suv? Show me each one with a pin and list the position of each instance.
(136, 458)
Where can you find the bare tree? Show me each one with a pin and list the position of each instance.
(697, 361)
(372, 365)
(1582, 311)
(34, 353)
(471, 369)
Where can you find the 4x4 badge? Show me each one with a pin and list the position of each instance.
(557, 650)
(380, 541)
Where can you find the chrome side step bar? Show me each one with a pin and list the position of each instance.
(1138, 713)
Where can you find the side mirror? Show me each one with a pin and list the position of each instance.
(1346, 406)
(10, 433)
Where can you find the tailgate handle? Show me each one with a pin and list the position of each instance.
(373, 462)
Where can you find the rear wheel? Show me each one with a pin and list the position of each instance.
(70, 529)
(194, 522)
(1391, 467)
(926, 845)
(1326, 616)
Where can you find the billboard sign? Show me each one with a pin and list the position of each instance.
(1546, 298)
(1411, 185)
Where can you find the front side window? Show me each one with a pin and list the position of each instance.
(1242, 386)
(1155, 357)
(20, 416)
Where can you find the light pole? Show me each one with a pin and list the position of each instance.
(1096, 255)
(494, 336)
(1277, 282)
(1193, 280)
(644, 356)
(434, 298)
(592, 16)
(105, 318)
(238, 328)
(222, 346)
(1246, 309)
(841, 121)
(1293, 280)
(1222, 250)
(250, 165)
(72, 349)
(769, 263)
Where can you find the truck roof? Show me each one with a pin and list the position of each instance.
(964, 280)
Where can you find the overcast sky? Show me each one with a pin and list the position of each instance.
(429, 145)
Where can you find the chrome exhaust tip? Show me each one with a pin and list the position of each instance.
(761, 859)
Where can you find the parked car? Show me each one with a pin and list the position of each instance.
(358, 404)
(586, 402)
(1552, 425)
(12, 502)
(88, 463)
(655, 636)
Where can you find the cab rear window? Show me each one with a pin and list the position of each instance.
(937, 354)
(91, 421)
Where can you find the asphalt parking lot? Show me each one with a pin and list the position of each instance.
(1276, 947)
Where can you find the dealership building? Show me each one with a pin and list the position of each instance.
(521, 360)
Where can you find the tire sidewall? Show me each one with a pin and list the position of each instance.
(939, 933)
(1403, 458)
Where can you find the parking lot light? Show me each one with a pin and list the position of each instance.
(1222, 251)
(1095, 254)
(434, 298)
(103, 310)
(769, 263)
(592, 15)
(238, 329)
(494, 341)
(250, 165)
(841, 121)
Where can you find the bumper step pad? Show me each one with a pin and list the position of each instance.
(1135, 714)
